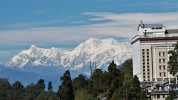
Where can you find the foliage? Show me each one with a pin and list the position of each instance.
(80, 82)
(114, 84)
(65, 91)
(170, 96)
(135, 88)
(173, 59)
(127, 67)
(17, 90)
(82, 94)
(41, 85)
(47, 96)
(5, 88)
(50, 87)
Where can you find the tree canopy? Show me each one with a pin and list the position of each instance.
(173, 59)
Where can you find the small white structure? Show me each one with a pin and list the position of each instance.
(159, 90)
(150, 52)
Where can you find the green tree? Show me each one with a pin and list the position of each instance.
(47, 96)
(115, 78)
(112, 67)
(173, 59)
(80, 82)
(5, 88)
(65, 91)
(127, 67)
(170, 96)
(31, 92)
(41, 85)
(50, 87)
(97, 81)
(82, 94)
(17, 91)
(135, 88)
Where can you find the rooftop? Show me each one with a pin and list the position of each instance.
(153, 25)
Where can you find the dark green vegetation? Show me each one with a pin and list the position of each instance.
(172, 67)
(173, 60)
(116, 84)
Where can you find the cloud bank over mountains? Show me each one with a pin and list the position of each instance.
(111, 24)
(121, 26)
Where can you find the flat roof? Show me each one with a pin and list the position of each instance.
(153, 25)
(154, 39)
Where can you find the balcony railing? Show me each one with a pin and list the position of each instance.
(154, 36)
(160, 92)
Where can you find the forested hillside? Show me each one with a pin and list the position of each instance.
(115, 84)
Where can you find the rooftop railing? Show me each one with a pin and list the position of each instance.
(154, 36)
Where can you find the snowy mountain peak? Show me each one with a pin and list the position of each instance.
(32, 46)
(100, 51)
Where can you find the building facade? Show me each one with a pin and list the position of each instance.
(150, 52)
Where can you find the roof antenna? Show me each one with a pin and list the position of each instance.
(141, 22)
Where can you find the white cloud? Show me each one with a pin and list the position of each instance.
(105, 25)
(119, 25)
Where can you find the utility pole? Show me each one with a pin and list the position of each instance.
(91, 70)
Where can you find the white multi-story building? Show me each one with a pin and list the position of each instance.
(150, 52)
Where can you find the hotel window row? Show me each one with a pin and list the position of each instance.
(162, 67)
(162, 74)
(145, 62)
(162, 60)
(162, 54)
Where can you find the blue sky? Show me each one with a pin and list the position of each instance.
(66, 23)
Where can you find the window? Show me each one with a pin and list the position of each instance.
(164, 67)
(163, 54)
(159, 60)
(160, 67)
(148, 73)
(148, 70)
(173, 74)
(148, 79)
(160, 74)
(164, 60)
(158, 96)
(148, 76)
(164, 74)
(159, 54)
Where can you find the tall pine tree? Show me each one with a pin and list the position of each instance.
(173, 60)
(50, 87)
(65, 91)
(136, 89)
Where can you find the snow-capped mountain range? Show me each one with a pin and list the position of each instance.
(93, 52)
